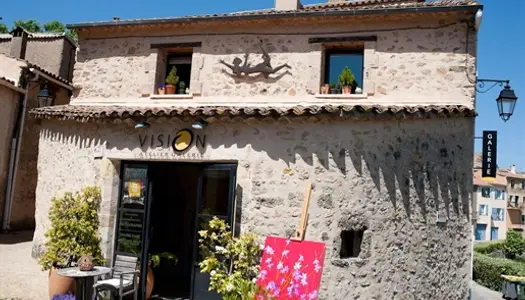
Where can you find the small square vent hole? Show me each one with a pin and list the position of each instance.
(351, 243)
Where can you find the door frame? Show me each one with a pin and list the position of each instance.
(207, 166)
(213, 166)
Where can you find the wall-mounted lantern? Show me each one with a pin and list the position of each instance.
(507, 98)
(44, 97)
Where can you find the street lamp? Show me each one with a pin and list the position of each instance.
(44, 97)
(507, 98)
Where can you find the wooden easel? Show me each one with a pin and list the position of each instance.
(301, 229)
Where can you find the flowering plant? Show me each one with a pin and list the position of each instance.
(74, 229)
(67, 296)
(233, 263)
(162, 86)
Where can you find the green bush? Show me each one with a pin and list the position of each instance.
(488, 270)
(74, 229)
(488, 247)
(514, 244)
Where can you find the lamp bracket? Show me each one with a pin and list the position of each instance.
(480, 84)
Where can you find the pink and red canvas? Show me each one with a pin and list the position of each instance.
(291, 269)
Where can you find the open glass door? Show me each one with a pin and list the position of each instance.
(132, 219)
(215, 197)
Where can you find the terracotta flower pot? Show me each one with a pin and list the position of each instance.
(162, 91)
(150, 281)
(325, 89)
(347, 89)
(170, 89)
(59, 285)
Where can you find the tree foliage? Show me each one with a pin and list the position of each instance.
(34, 26)
(514, 244)
(74, 229)
(29, 25)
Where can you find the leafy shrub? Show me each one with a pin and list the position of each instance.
(346, 78)
(488, 247)
(233, 263)
(488, 270)
(514, 244)
(74, 229)
(172, 78)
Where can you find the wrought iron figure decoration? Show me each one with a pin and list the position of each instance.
(265, 67)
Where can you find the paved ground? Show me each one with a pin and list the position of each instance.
(20, 275)
(480, 292)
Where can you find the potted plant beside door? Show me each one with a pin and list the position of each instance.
(153, 262)
(73, 233)
(346, 79)
(171, 81)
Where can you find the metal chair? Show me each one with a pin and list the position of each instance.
(123, 281)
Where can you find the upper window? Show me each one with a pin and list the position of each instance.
(173, 72)
(483, 210)
(523, 185)
(499, 194)
(498, 214)
(338, 60)
(512, 183)
(485, 192)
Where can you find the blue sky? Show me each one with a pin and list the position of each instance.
(501, 47)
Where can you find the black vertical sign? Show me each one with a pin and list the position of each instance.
(490, 145)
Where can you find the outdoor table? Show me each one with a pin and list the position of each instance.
(84, 280)
(513, 287)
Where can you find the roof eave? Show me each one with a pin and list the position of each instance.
(335, 13)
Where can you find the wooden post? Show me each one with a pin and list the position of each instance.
(301, 229)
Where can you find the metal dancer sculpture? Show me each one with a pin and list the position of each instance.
(265, 67)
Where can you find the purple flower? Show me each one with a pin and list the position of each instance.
(162, 85)
(67, 296)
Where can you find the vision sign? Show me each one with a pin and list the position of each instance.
(179, 141)
(490, 145)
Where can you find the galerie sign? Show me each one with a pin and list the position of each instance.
(179, 141)
(490, 145)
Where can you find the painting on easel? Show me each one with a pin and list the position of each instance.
(292, 268)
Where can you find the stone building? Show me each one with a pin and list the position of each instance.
(391, 163)
(30, 69)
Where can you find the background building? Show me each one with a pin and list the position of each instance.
(499, 204)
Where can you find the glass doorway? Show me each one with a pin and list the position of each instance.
(162, 207)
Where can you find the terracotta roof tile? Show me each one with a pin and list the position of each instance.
(7, 80)
(48, 73)
(86, 112)
(363, 5)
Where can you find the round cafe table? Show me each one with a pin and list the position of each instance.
(84, 280)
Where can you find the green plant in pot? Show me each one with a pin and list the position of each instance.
(154, 260)
(334, 89)
(347, 80)
(171, 81)
(73, 233)
(182, 87)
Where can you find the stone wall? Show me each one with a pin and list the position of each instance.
(390, 177)
(419, 64)
(8, 109)
(5, 46)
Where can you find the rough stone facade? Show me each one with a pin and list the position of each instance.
(390, 177)
(411, 65)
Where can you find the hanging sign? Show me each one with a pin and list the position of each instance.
(490, 145)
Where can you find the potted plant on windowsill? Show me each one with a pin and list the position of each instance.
(161, 89)
(73, 233)
(182, 87)
(153, 262)
(334, 89)
(347, 79)
(171, 81)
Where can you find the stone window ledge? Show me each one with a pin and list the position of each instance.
(341, 96)
(347, 262)
(172, 96)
